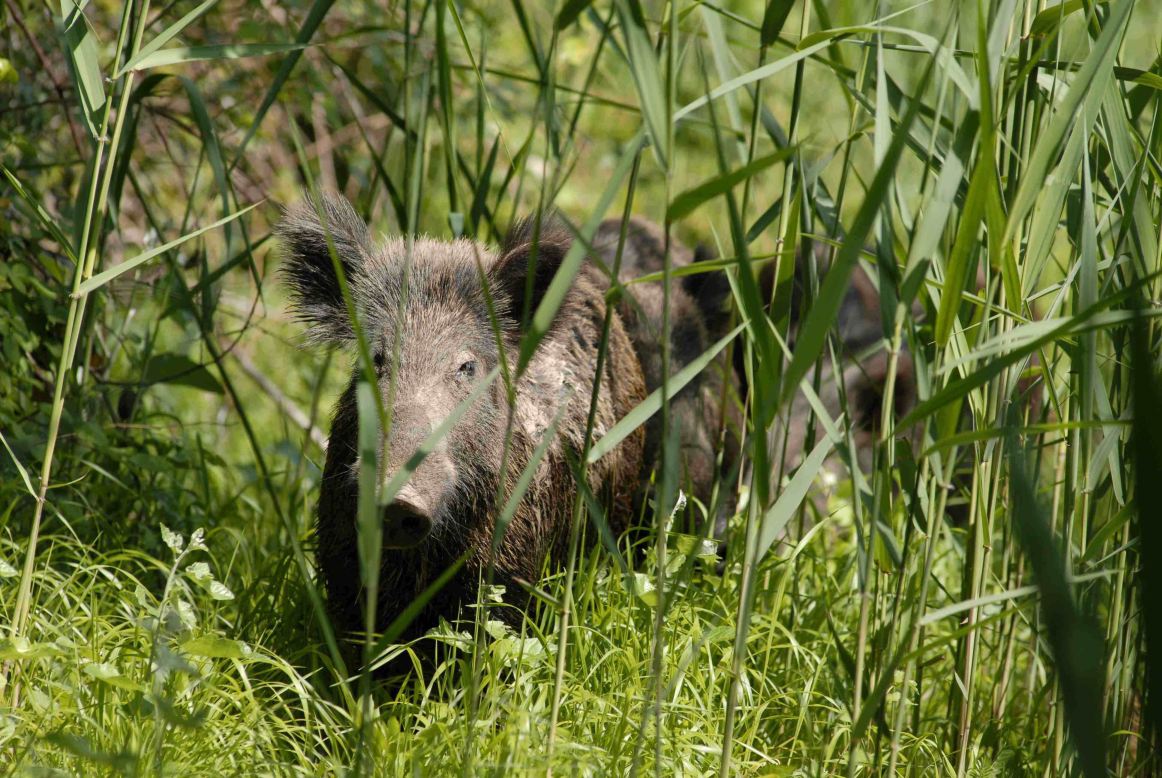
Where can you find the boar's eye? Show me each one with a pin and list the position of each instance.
(468, 369)
(378, 360)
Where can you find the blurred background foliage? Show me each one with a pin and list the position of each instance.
(190, 402)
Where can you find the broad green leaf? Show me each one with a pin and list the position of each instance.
(180, 370)
(653, 403)
(647, 78)
(107, 672)
(99, 280)
(172, 539)
(219, 591)
(773, 20)
(792, 495)
(165, 36)
(82, 46)
(199, 572)
(216, 647)
(569, 12)
(20, 647)
(181, 54)
(687, 201)
(642, 586)
(8, 74)
(1047, 21)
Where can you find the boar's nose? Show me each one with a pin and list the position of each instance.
(406, 524)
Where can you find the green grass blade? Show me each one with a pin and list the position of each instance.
(318, 10)
(750, 77)
(1074, 639)
(788, 502)
(773, 20)
(368, 524)
(643, 65)
(1047, 208)
(43, 218)
(1058, 329)
(653, 403)
(687, 201)
(19, 467)
(959, 272)
(937, 615)
(99, 280)
(571, 265)
(180, 54)
(940, 204)
(83, 64)
(166, 35)
(1091, 79)
(213, 148)
(825, 308)
(525, 480)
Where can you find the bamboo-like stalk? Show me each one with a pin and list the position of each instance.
(88, 249)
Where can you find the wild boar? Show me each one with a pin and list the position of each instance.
(439, 317)
(859, 385)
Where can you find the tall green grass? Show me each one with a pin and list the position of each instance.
(977, 602)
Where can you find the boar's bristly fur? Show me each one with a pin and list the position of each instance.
(706, 411)
(426, 315)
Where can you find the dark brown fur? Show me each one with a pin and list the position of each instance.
(863, 362)
(706, 411)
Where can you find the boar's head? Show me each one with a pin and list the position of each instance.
(437, 317)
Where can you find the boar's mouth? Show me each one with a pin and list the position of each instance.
(405, 525)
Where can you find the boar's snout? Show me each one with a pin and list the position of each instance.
(406, 523)
(414, 512)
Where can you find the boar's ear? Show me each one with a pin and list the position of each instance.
(525, 250)
(308, 232)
